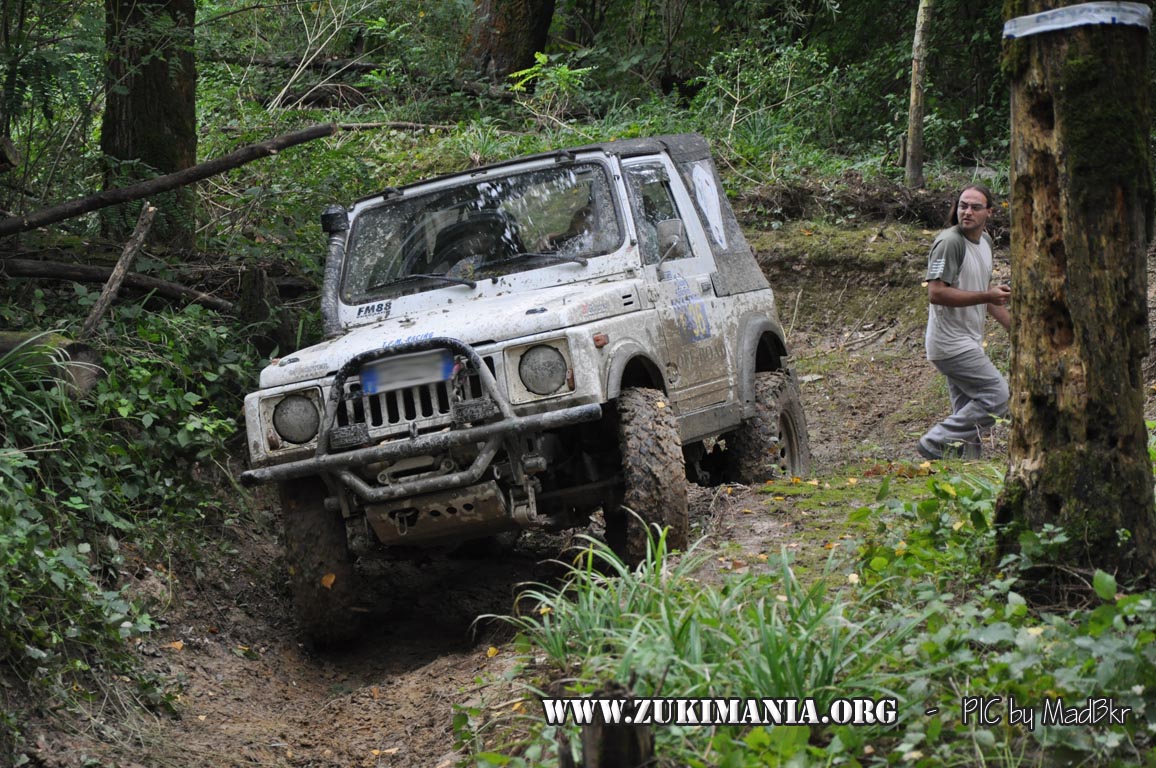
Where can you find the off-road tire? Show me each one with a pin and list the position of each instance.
(773, 443)
(317, 555)
(653, 476)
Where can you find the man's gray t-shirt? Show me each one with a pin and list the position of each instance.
(966, 265)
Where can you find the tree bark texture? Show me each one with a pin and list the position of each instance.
(150, 124)
(913, 163)
(507, 33)
(1081, 219)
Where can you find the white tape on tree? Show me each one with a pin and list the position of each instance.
(1127, 14)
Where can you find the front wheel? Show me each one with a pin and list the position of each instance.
(321, 572)
(773, 443)
(653, 476)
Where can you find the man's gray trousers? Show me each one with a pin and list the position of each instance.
(979, 395)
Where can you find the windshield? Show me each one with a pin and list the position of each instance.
(494, 227)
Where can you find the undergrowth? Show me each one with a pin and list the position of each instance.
(95, 486)
(921, 613)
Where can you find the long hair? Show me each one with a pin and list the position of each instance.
(954, 218)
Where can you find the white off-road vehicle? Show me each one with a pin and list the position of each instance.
(520, 346)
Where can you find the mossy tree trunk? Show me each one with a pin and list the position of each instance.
(1080, 222)
(507, 34)
(150, 125)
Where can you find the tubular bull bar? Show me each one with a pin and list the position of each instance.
(493, 434)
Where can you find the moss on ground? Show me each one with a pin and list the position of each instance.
(888, 252)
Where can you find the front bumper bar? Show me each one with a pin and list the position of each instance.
(438, 442)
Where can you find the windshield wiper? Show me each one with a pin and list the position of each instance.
(418, 276)
(551, 255)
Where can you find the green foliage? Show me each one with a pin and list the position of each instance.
(90, 488)
(671, 635)
(922, 614)
(557, 87)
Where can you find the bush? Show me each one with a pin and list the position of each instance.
(90, 489)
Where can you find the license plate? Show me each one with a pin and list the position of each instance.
(407, 371)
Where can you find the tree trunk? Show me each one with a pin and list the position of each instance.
(913, 168)
(507, 34)
(1081, 218)
(150, 125)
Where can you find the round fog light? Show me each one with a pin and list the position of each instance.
(296, 419)
(542, 369)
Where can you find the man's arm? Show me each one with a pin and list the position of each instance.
(939, 292)
(1001, 314)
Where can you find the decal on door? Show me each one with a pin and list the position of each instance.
(690, 312)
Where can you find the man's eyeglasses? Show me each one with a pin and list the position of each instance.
(973, 206)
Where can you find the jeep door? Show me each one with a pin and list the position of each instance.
(677, 264)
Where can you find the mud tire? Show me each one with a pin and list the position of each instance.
(773, 443)
(316, 546)
(653, 476)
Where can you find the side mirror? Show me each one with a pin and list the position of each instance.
(671, 240)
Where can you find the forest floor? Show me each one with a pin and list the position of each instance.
(249, 694)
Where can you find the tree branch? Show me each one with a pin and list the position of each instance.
(17, 224)
(83, 273)
(112, 287)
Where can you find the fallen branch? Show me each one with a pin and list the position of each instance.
(91, 274)
(112, 287)
(17, 224)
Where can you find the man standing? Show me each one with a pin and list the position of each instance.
(961, 296)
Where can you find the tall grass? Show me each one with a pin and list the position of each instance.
(668, 632)
(918, 615)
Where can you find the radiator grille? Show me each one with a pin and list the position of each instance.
(427, 405)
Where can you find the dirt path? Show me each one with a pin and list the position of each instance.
(248, 694)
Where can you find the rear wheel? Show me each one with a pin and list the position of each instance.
(320, 566)
(773, 443)
(653, 476)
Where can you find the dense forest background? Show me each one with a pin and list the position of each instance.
(99, 95)
(97, 491)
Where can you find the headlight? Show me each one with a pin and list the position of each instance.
(542, 369)
(296, 419)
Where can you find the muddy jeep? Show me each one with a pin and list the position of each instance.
(521, 346)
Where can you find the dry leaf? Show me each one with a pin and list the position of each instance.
(328, 579)
(176, 645)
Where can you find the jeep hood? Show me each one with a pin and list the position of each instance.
(476, 321)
